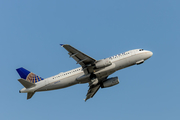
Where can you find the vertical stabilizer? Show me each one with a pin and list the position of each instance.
(29, 76)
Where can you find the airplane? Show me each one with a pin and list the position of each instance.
(92, 71)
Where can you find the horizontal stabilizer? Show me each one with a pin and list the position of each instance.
(30, 94)
(26, 83)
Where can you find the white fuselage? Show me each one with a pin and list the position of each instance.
(70, 78)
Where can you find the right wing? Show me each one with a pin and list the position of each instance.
(92, 91)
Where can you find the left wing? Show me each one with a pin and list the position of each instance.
(84, 60)
(87, 63)
(92, 91)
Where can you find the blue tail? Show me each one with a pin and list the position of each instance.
(29, 76)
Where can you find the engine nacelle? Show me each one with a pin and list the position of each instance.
(103, 63)
(110, 82)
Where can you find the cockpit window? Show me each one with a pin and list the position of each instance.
(140, 49)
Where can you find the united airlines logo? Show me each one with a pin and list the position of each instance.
(33, 78)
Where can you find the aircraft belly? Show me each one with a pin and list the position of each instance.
(62, 83)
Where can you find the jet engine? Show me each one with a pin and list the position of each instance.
(110, 82)
(103, 63)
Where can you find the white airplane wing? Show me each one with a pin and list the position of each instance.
(84, 60)
(92, 91)
(87, 63)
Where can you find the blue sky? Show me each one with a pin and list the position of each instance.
(30, 34)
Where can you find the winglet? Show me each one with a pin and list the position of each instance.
(61, 45)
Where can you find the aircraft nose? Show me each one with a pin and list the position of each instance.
(150, 53)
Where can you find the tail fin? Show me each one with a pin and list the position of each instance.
(29, 76)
